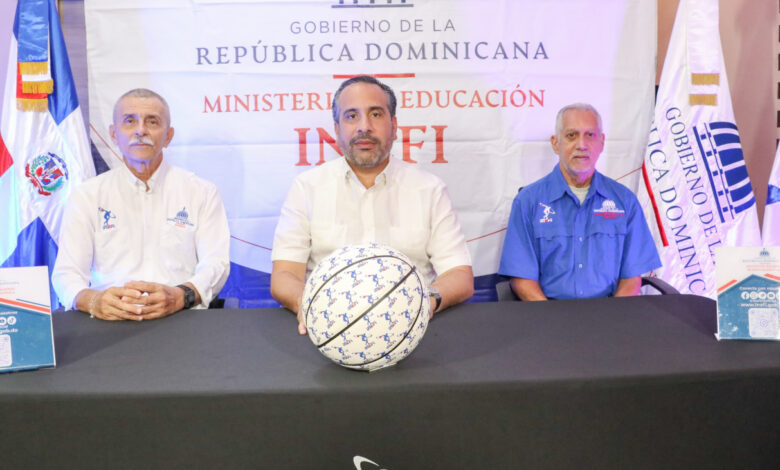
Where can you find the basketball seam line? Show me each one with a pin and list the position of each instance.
(414, 323)
(414, 268)
(308, 309)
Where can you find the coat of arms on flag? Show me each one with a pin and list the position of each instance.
(44, 151)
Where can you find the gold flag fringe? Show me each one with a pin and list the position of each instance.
(34, 68)
(27, 104)
(46, 86)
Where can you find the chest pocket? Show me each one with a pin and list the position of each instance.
(606, 238)
(327, 237)
(110, 250)
(178, 250)
(412, 242)
(554, 242)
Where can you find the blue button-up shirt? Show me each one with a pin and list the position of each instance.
(577, 250)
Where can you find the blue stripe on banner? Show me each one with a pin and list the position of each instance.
(723, 139)
(743, 207)
(772, 195)
(64, 99)
(35, 247)
(731, 156)
(32, 41)
(248, 288)
(723, 125)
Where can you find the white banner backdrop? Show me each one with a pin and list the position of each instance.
(478, 85)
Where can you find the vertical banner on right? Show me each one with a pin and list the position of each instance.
(771, 226)
(697, 195)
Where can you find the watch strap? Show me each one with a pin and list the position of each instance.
(189, 296)
(434, 292)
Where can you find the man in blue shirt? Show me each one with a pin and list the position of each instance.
(576, 233)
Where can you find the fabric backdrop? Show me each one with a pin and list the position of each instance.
(478, 84)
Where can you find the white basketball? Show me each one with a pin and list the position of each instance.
(365, 306)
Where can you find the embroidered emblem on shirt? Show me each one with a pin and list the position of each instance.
(182, 218)
(105, 218)
(547, 213)
(609, 210)
(47, 173)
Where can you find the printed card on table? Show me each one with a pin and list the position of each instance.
(26, 339)
(748, 280)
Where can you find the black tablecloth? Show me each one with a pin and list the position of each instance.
(601, 383)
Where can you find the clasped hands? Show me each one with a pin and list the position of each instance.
(136, 300)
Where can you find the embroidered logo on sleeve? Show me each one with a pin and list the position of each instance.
(181, 219)
(106, 217)
(548, 211)
(609, 210)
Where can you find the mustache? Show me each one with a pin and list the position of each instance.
(141, 140)
(354, 140)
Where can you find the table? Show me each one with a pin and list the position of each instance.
(600, 383)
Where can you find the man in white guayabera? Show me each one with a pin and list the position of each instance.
(147, 239)
(367, 196)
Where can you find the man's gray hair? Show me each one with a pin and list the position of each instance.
(577, 107)
(146, 93)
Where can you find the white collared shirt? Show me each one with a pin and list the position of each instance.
(115, 231)
(408, 209)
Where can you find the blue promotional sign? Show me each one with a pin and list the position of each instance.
(26, 339)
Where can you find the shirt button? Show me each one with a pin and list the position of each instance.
(580, 265)
(580, 238)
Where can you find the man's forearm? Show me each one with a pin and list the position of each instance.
(287, 283)
(455, 285)
(527, 289)
(628, 287)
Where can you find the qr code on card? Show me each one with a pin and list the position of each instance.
(764, 323)
(6, 359)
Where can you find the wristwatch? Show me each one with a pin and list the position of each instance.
(189, 296)
(434, 292)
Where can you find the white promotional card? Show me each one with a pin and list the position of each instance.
(748, 280)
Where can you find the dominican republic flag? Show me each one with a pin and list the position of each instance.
(44, 151)
(697, 195)
(771, 227)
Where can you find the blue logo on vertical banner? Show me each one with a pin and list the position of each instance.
(722, 151)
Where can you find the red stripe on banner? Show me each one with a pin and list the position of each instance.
(376, 75)
(5, 157)
(486, 235)
(655, 206)
(772, 276)
(26, 305)
(628, 174)
(726, 285)
(250, 243)
(108, 146)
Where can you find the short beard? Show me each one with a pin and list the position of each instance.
(375, 161)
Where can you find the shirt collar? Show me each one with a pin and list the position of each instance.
(561, 187)
(154, 181)
(382, 178)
